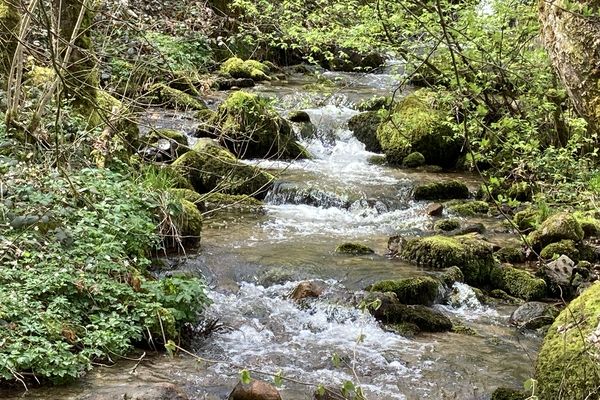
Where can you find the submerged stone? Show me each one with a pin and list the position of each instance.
(354, 248)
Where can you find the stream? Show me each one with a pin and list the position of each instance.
(253, 262)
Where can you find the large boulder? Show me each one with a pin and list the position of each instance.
(517, 282)
(364, 126)
(209, 167)
(473, 256)
(445, 190)
(568, 365)
(418, 125)
(561, 226)
(249, 127)
(418, 290)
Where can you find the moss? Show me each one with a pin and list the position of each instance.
(406, 329)
(469, 208)
(520, 191)
(473, 256)
(40, 76)
(364, 126)
(210, 167)
(527, 220)
(562, 226)
(589, 224)
(375, 103)
(447, 224)
(518, 282)
(416, 125)
(353, 248)
(509, 394)
(169, 134)
(510, 255)
(568, 361)
(446, 190)
(564, 247)
(189, 195)
(238, 68)
(413, 160)
(452, 275)
(166, 96)
(189, 222)
(250, 128)
(229, 201)
(419, 290)
(464, 330)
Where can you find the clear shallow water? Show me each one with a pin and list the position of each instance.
(252, 262)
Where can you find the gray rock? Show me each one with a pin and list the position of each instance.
(533, 315)
(255, 390)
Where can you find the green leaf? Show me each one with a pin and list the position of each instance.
(245, 377)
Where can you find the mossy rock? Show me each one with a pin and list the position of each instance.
(520, 191)
(391, 311)
(298, 116)
(509, 394)
(126, 124)
(406, 329)
(446, 190)
(353, 248)
(510, 255)
(473, 256)
(375, 103)
(364, 126)
(518, 282)
(190, 195)
(504, 297)
(447, 224)
(413, 160)
(252, 69)
(417, 125)
(468, 208)
(452, 275)
(169, 134)
(562, 226)
(419, 290)
(526, 220)
(189, 222)
(563, 248)
(165, 96)
(244, 203)
(209, 167)
(567, 364)
(251, 128)
(464, 330)
(589, 224)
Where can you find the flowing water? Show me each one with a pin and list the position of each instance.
(253, 262)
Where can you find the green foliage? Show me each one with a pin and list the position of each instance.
(181, 53)
(73, 284)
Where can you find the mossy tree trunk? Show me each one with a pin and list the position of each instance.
(9, 21)
(571, 33)
(81, 74)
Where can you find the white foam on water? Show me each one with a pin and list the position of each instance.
(463, 302)
(269, 332)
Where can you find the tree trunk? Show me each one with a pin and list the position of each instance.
(573, 42)
(81, 75)
(9, 21)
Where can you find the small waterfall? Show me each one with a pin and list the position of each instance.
(462, 300)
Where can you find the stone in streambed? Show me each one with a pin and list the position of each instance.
(354, 249)
(255, 390)
(533, 315)
(434, 210)
(446, 190)
(418, 290)
(307, 289)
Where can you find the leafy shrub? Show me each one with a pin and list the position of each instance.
(73, 282)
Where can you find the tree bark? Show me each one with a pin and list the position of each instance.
(9, 21)
(81, 75)
(573, 42)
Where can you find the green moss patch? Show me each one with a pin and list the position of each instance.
(518, 282)
(420, 290)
